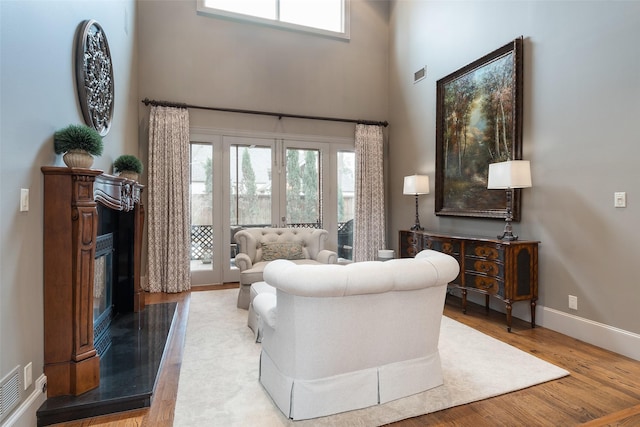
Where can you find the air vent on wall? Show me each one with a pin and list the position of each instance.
(420, 74)
(10, 392)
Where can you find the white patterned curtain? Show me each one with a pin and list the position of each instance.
(169, 216)
(369, 230)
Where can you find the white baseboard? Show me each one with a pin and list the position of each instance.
(25, 414)
(608, 337)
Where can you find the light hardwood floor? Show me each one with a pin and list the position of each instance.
(602, 390)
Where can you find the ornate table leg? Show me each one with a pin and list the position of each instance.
(508, 305)
(533, 313)
(464, 301)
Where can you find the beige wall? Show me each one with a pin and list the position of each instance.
(37, 97)
(581, 109)
(208, 61)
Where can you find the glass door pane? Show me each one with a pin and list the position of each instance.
(346, 203)
(302, 188)
(201, 198)
(250, 180)
(230, 190)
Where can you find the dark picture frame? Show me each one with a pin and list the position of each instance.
(478, 122)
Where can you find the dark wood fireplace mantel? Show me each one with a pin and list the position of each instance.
(72, 365)
(117, 193)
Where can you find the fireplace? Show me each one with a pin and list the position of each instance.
(92, 251)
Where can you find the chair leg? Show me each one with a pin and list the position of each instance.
(244, 296)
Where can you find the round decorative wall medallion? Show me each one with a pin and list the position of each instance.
(94, 76)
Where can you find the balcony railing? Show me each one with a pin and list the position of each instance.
(202, 238)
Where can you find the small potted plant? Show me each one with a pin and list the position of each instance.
(128, 166)
(78, 143)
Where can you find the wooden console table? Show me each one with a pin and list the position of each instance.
(507, 270)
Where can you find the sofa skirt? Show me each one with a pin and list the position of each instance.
(301, 399)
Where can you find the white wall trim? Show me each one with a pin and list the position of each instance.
(25, 414)
(608, 337)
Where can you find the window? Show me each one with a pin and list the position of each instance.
(302, 187)
(250, 167)
(326, 17)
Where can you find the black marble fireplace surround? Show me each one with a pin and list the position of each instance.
(120, 224)
(128, 369)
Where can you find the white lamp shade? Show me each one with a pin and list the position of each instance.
(510, 174)
(416, 184)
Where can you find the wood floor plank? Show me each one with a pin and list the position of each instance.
(602, 389)
(626, 417)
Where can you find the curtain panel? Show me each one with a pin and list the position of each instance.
(169, 236)
(369, 230)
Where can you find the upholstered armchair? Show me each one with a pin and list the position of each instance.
(258, 246)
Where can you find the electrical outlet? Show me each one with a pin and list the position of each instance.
(573, 302)
(28, 375)
(620, 199)
(41, 383)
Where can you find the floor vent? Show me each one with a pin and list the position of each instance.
(10, 392)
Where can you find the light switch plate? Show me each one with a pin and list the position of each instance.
(620, 199)
(24, 199)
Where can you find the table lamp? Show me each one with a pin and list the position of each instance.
(416, 185)
(507, 176)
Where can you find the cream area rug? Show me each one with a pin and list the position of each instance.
(219, 383)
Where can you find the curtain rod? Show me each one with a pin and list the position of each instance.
(148, 101)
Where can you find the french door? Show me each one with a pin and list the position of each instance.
(239, 182)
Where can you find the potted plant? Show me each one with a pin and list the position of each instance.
(78, 143)
(128, 166)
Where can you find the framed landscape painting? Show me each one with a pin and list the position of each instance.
(478, 122)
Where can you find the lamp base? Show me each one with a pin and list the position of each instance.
(508, 230)
(416, 226)
(509, 236)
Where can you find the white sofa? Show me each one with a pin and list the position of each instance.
(343, 337)
(254, 244)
